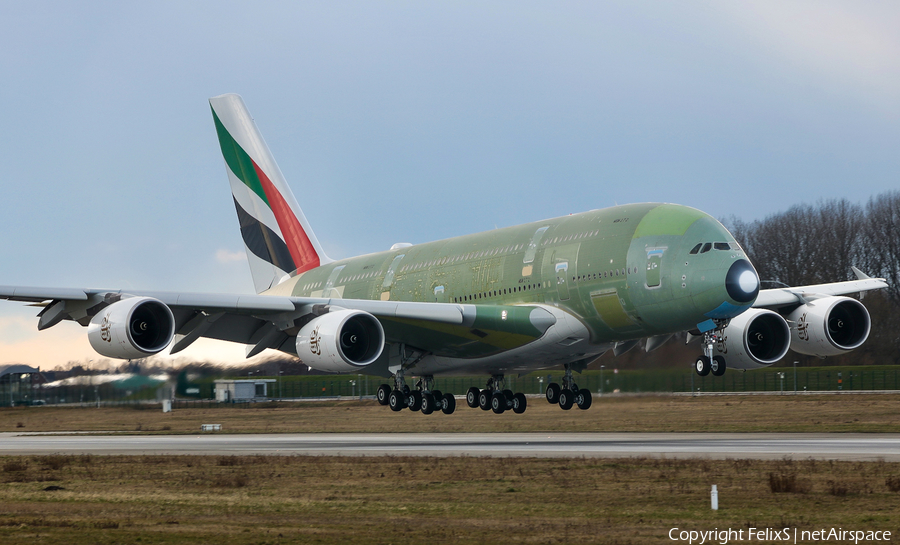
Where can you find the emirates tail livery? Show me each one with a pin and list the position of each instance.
(556, 293)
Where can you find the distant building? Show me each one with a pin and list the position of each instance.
(231, 390)
(18, 384)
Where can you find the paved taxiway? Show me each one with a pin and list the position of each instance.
(838, 446)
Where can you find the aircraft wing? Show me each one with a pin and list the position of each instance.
(782, 297)
(265, 321)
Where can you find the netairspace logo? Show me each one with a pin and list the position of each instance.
(787, 535)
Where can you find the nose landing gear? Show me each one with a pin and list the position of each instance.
(709, 363)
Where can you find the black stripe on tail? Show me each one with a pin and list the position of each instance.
(264, 242)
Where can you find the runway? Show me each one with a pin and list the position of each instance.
(798, 446)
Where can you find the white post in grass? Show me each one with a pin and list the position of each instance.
(714, 496)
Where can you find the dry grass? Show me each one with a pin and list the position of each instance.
(278, 499)
(803, 413)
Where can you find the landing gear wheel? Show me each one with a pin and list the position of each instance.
(702, 366)
(438, 395)
(583, 399)
(472, 397)
(498, 402)
(520, 403)
(428, 404)
(397, 401)
(484, 400)
(406, 389)
(509, 395)
(382, 394)
(566, 399)
(717, 366)
(448, 404)
(414, 399)
(553, 393)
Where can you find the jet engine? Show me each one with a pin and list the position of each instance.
(136, 327)
(342, 341)
(829, 326)
(755, 338)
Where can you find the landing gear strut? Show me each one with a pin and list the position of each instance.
(569, 394)
(496, 397)
(708, 362)
(423, 398)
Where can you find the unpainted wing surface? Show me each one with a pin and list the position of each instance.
(782, 297)
(265, 321)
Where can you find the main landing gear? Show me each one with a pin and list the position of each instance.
(569, 393)
(495, 397)
(707, 362)
(423, 398)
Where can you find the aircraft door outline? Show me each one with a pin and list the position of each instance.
(654, 267)
(389, 277)
(562, 287)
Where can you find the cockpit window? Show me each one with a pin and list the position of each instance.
(722, 246)
(696, 249)
(706, 248)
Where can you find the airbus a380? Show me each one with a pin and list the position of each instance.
(549, 294)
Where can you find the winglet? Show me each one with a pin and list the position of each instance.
(859, 274)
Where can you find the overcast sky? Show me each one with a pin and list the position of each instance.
(414, 121)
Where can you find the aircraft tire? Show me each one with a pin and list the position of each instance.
(415, 400)
(397, 401)
(583, 399)
(509, 395)
(552, 393)
(406, 389)
(566, 399)
(520, 403)
(718, 366)
(428, 404)
(472, 397)
(382, 394)
(438, 396)
(498, 402)
(702, 366)
(449, 404)
(484, 400)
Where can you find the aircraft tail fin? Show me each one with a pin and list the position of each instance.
(277, 237)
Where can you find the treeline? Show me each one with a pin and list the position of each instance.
(278, 365)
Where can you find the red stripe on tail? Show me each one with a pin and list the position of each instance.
(298, 243)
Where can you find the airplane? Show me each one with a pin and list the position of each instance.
(553, 293)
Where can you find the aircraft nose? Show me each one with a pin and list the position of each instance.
(742, 282)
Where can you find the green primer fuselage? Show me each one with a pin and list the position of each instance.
(624, 272)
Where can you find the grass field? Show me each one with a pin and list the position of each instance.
(268, 500)
(788, 413)
(283, 499)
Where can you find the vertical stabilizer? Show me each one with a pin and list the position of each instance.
(277, 237)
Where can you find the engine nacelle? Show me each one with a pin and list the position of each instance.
(136, 327)
(829, 326)
(753, 339)
(342, 341)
